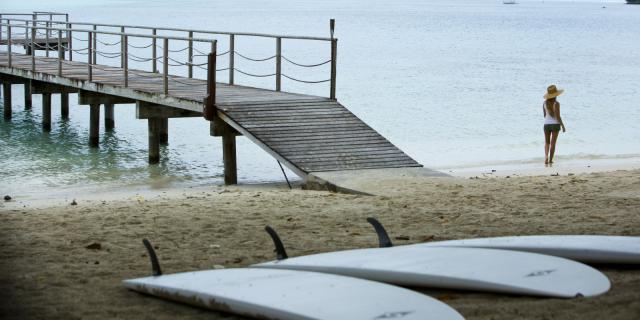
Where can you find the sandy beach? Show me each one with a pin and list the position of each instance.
(68, 261)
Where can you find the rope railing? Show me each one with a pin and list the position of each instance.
(141, 59)
(196, 64)
(224, 53)
(79, 39)
(108, 55)
(254, 59)
(306, 65)
(174, 51)
(140, 47)
(255, 75)
(109, 43)
(305, 81)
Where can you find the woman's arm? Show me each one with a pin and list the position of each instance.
(559, 117)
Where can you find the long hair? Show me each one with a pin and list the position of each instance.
(551, 103)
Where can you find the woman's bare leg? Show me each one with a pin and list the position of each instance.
(547, 141)
(552, 149)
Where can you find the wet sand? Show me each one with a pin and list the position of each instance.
(51, 266)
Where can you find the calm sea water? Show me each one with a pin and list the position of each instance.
(453, 83)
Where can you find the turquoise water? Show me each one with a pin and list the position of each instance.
(453, 83)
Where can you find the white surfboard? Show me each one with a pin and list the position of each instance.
(288, 294)
(584, 248)
(456, 268)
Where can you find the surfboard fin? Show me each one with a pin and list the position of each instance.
(155, 265)
(383, 237)
(281, 254)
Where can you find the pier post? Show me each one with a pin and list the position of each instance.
(64, 105)
(229, 158)
(278, 63)
(334, 54)
(46, 112)
(164, 131)
(109, 122)
(190, 57)
(231, 57)
(154, 54)
(27, 95)
(94, 124)
(6, 91)
(154, 140)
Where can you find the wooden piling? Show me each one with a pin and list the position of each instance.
(229, 158)
(64, 105)
(6, 90)
(154, 140)
(109, 122)
(27, 95)
(46, 112)
(94, 125)
(164, 131)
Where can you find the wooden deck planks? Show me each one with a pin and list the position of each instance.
(311, 133)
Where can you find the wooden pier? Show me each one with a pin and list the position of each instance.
(306, 133)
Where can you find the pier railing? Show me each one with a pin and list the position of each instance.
(90, 51)
(190, 52)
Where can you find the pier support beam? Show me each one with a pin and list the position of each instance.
(89, 98)
(6, 90)
(96, 98)
(158, 121)
(94, 125)
(27, 95)
(109, 122)
(64, 105)
(46, 112)
(219, 128)
(229, 158)
(154, 140)
(46, 89)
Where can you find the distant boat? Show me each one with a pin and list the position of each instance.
(633, 1)
(514, 1)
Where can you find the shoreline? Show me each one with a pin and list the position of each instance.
(56, 197)
(562, 167)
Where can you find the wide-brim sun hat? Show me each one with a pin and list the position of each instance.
(553, 92)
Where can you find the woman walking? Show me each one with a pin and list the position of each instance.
(552, 122)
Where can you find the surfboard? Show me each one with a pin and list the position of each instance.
(584, 248)
(476, 269)
(289, 294)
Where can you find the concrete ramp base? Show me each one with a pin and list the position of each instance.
(370, 181)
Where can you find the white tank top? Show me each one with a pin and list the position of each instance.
(548, 119)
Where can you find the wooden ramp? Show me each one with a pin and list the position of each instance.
(315, 136)
(306, 133)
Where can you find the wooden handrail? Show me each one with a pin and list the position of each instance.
(138, 35)
(249, 34)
